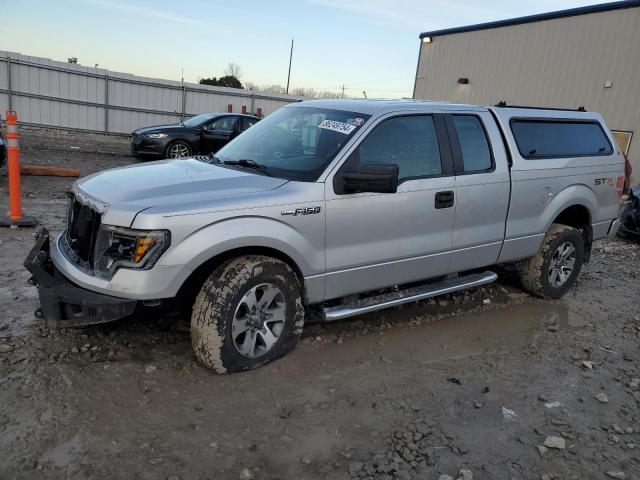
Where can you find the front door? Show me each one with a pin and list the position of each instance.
(218, 133)
(375, 240)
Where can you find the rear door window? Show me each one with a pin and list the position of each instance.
(474, 145)
(559, 138)
(224, 124)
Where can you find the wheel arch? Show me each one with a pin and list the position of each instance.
(193, 282)
(579, 217)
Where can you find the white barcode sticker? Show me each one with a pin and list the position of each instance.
(337, 126)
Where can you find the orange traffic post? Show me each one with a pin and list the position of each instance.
(13, 167)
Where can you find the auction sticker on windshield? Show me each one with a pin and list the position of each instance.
(337, 126)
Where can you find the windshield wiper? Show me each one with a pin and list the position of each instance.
(249, 164)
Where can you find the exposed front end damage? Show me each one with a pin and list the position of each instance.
(64, 304)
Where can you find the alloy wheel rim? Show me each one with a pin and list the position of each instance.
(562, 264)
(258, 320)
(179, 151)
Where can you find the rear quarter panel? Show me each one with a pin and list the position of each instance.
(543, 188)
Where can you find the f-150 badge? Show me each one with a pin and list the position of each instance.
(301, 211)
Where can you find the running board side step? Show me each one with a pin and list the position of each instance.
(409, 295)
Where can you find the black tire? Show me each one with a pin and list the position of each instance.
(221, 297)
(535, 272)
(170, 151)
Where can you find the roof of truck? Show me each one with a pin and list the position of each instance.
(371, 106)
(381, 107)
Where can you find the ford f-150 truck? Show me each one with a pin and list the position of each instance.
(346, 205)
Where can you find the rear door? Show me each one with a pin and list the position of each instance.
(483, 188)
(376, 240)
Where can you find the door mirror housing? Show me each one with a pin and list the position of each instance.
(369, 177)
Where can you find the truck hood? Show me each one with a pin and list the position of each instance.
(127, 190)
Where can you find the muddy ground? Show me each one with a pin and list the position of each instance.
(471, 385)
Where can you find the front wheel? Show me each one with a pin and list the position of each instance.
(248, 313)
(553, 270)
(178, 149)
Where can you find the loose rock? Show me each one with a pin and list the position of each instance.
(616, 474)
(508, 413)
(601, 397)
(465, 474)
(554, 442)
(4, 348)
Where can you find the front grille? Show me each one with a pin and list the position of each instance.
(135, 138)
(83, 224)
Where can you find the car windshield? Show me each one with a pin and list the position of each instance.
(198, 120)
(296, 143)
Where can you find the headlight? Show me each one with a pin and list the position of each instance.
(118, 247)
(156, 135)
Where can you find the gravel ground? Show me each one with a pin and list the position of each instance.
(485, 384)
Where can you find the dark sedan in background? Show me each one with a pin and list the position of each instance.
(202, 134)
(3, 150)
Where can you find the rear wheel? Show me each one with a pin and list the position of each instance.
(178, 149)
(553, 270)
(248, 313)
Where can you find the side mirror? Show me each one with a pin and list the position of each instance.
(371, 177)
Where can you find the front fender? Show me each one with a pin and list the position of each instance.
(303, 243)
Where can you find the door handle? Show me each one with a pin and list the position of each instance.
(444, 199)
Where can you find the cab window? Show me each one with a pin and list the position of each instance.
(474, 145)
(409, 142)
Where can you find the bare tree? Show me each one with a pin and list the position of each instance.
(233, 70)
(299, 91)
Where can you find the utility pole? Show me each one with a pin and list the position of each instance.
(343, 87)
(290, 57)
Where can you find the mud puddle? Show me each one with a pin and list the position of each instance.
(458, 336)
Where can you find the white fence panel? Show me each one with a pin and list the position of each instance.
(63, 95)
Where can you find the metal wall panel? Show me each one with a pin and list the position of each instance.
(127, 121)
(57, 94)
(562, 62)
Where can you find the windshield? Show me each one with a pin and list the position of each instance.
(295, 143)
(198, 120)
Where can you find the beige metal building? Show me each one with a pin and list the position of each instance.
(587, 56)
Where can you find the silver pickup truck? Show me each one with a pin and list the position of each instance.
(349, 205)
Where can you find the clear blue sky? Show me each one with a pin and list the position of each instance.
(366, 45)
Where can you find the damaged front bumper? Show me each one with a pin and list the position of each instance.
(64, 304)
